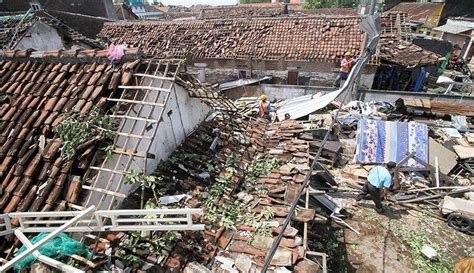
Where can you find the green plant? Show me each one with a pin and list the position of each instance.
(108, 152)
(260, 167)
(145, 181)
(75, 130)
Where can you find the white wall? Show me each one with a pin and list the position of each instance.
(181, 116)
(41, 37)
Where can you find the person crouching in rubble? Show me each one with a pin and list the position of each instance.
(378, 182)
(346, 65)
(265, 108)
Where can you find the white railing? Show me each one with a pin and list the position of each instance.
(103, 220)
(73, 221)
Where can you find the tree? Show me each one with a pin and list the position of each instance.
(317, 4)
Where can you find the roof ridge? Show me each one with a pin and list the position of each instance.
(280, 18)
(134, 53)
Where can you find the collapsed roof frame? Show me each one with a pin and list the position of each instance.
(145, 102)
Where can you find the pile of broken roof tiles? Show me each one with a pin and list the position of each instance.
(243, 140)
(37, 89)
(298, 38)
(405, 53)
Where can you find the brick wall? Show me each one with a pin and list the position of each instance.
(313, 73)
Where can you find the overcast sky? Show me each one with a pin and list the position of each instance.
(188, 3)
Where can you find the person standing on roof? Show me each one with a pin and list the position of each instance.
(265, 108)
(346, 65)
(378, 182)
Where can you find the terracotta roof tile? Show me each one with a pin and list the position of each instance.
(311, 38)
(39, 90)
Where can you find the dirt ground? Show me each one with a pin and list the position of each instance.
(391, 242)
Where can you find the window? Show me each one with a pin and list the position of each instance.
(242, 74)
(35, 6)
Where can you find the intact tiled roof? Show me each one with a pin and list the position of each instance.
(420, 12)
(304, 39)
(37, 89)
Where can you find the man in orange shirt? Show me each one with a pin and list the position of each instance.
(265, 108)
(346, 65)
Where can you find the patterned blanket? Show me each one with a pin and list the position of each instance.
(383, 141)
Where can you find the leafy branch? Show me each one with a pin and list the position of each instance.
(75, 130)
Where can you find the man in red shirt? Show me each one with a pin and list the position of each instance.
(346, 65)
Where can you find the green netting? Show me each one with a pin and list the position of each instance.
(56, 248)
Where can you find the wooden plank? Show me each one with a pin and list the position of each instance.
(132, 135)
(145, 88)
(137, 102)
(120, 195)
(154, 77)
(135, 118)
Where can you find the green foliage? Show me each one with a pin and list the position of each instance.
(317, 4)
(260, 167)
(75, 130)
(415, 241)
(254, 1)
(108, 152)
(226, 215)
(258, 222)
(146, 182)
(135, 244)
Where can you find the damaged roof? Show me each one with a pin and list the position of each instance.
(303, 39)
(405, 53)
(14, 27)
(426, 13)
(37, 89)
(240, 141)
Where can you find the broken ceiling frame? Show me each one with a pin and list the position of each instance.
(146, 102)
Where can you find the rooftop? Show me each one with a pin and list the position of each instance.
(38, 91)
(14, 27)
(426, 13)
(303, 39)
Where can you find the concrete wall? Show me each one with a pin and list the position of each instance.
(41, 37)
(392, 96)
(319, 73)
(181, 116)
(275, 91)
(243, 91)
(278, 91)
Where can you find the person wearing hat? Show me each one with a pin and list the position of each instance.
(378, 182)
(346, 65)
(265, 108)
